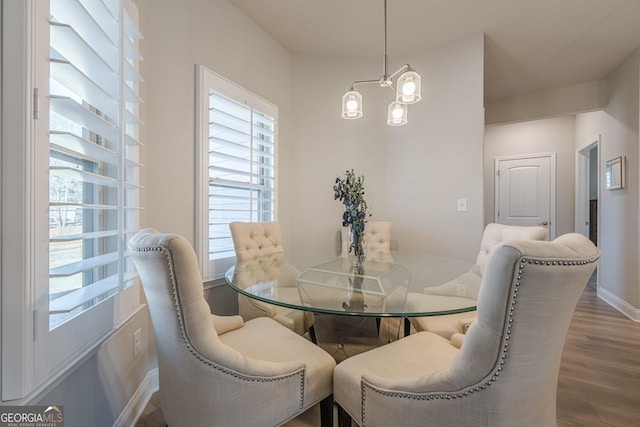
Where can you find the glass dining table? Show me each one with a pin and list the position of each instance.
(403, 285)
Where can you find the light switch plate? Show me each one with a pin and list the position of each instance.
(461, 205)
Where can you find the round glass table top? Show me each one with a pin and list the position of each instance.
(404, 284)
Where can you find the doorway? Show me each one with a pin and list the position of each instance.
(587, 189)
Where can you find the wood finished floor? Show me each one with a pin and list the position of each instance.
(599, 382)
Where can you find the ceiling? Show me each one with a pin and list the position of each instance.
(530, 45)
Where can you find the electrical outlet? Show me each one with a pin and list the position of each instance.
(137, 342)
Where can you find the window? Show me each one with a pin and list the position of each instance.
(237, 166)
(79, 180)
(93, 150)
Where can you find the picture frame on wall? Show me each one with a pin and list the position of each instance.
(615, 173)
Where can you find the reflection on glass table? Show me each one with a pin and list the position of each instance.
(373, 288)
(401, 288)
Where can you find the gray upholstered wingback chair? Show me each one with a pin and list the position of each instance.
(505, 373)
(220, 370)
(252, 240)
(468, 284)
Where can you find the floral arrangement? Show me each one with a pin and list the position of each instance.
(350, 191)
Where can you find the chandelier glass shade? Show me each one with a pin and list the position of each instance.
(397, 115)
(352, 104)
(407, 89)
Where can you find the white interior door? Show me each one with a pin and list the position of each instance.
(525, 190)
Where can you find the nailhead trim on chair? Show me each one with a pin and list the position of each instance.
(201, 358)
(489, 379)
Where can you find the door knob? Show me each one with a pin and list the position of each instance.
(543, 223)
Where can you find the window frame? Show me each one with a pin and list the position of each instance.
(206, 80)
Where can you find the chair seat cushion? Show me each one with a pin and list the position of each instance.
(411, 357)
(294, 319)
(465, 285)
(446, 325)
(431, 303)
(289, 317)
(265, 339)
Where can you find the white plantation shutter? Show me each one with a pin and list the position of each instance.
(237, 172)
(93, 175)
(71, 199)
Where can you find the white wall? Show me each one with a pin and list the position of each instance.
(98, 390)
(619, 241)
(414, 173)
(179, 35)
(618, 223)
(617, 124)
(532, 137)
(437, 157)
(549, 103)
(325, 145)
(315, 144)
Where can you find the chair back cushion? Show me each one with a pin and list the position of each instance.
(254, 239)
(495, 234)
(378, 241)
(266, 268)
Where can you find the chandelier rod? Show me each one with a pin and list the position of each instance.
(385, 71)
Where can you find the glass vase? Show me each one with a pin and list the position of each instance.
(357, 246)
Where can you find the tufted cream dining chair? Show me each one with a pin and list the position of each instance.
(505, 373)
(468, 284)
(220, 370)
(378, 239)
(252, 240)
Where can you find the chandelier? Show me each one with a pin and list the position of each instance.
(407, 89)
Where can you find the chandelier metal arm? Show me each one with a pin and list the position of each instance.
(405, 67)
(384, 80)
(358, 82)
(379, 81)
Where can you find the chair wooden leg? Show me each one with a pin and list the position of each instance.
(407, 327)
(344, 419)
(312, 335)
(326, 411)
(378, 325)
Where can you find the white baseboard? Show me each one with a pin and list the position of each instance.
(134, 408)
(619, 304)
